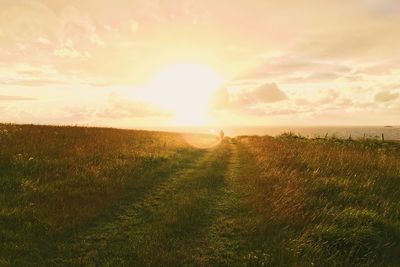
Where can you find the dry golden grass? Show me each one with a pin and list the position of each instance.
(332, 202)
(57, 178)
(93, 196)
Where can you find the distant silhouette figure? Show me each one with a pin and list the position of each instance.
(221, 134)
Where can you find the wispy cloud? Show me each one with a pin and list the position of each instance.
(119, 108)
(15, 98)
(266, 93)
(386, 96)
(31, 82)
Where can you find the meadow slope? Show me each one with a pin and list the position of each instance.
(72, 196)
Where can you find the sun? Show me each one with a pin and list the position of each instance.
(186, 90)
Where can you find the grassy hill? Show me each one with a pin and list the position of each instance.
(92, 196)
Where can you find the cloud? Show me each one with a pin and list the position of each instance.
(119, 108)
(386, 96)
(31, 82)
(78, 114)
(266, 93)
(32, 72)
(395, 86)
(246, 101)
(314, 104)
(288, 66)
(323, 99)
(70, 52)
(314, 77)
(380, 68)
(282, 112)
(383, 7)
(323, 76)
(15, 98)
(329, 97)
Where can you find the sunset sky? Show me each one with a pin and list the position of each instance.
(143, 63)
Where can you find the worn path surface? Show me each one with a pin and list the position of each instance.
(192, 218)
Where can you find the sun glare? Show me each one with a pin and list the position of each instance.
(186, 90)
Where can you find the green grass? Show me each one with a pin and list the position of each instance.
(74, 196)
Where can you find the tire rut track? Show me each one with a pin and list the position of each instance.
(174, 211)
(220, 245)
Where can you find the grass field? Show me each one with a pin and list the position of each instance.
(72, 196)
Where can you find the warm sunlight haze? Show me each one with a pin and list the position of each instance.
(185, 89)
(147, 64)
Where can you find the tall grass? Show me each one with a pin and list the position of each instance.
(53, 179)
(324, 201)
(96, 196)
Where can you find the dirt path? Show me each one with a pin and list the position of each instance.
(221, 243)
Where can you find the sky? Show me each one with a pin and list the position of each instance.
(147, 63)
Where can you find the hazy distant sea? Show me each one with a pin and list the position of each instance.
(390, 133)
